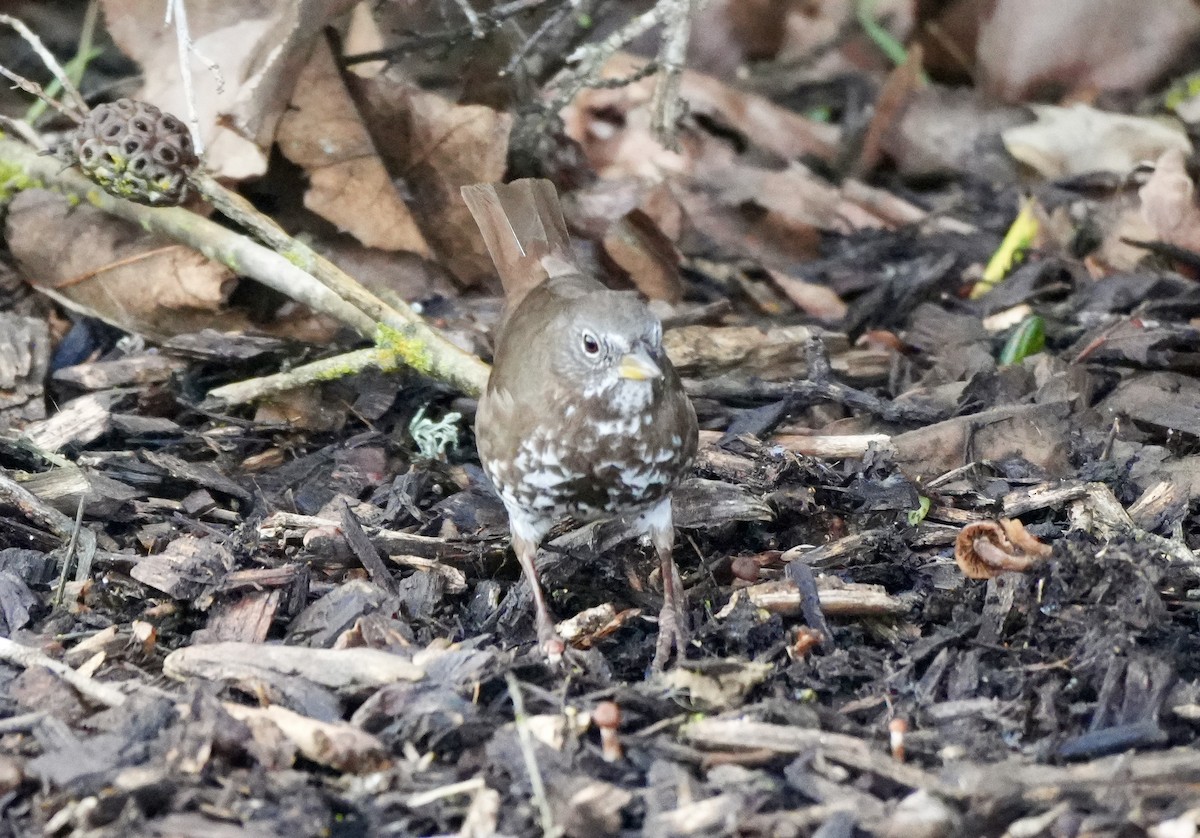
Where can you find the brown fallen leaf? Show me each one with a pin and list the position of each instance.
(348, 183)
(305, 407)
(108, 268)
(988, 548)
(636, 244)
(260, 47)
(437, 146)
(817, 300)
(1164, 209)
(901, 87)
(1169, 202)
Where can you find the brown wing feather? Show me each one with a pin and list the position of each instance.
(523, 227)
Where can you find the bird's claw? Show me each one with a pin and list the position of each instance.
(673, 636)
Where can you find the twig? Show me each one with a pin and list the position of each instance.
(477, 30)
(23, 129)
(547, 25)
(49, 60)
(75, 68)
(535, 773)
(68, 561)
(818, 386)
(488, 21)
(184, 48)
(327, 369)
(35, 89)
(22, 723)
(590, 58)
(90, 688)
(676, 17)
(666, 107)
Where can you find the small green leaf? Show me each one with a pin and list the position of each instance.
(1028, 339)
(916, 516)
(1017, 241)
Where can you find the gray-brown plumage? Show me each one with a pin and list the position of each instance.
(583, 416)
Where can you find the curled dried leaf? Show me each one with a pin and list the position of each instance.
(988, 548)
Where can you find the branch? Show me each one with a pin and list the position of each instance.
(676, 17)
(50, 61)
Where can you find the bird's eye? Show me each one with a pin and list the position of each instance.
(590, 345)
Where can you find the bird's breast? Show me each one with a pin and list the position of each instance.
(588, 455)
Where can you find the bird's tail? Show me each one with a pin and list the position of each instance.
(523, 227)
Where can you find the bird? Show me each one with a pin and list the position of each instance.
(583, 416)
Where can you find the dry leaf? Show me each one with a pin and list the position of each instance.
(1163, 210)
(1081, 139)
(636, 244)
(818, 300)
(437, 147)
(108, 268)
(348, 184)
(719, 685)
(902, 86)
(259, 46)
(363, 34)
(988, 548)
(305, 408)
(1027, 47)
(1169, 202)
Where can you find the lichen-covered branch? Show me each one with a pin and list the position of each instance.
(326, 369)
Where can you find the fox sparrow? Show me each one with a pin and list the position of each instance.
(583, 416)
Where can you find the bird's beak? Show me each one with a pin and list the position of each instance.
(638, 366)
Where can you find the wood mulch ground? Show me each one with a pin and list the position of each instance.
(288, 633)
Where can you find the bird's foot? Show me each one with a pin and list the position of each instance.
(673, 636)
(549, 641)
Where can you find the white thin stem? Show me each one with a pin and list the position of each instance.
(525, 738)
(48, 59)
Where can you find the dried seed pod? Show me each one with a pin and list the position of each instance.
(135, 151)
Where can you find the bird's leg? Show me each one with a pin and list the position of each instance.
(551, 644)
(673, 630)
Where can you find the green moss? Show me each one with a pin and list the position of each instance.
(334, 372)
(299, 258)
(406, 347)
(14, 179)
